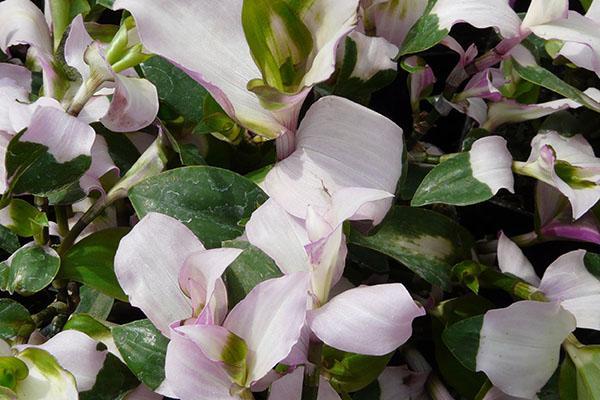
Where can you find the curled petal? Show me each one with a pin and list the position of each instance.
(21, 22)
(512, 260)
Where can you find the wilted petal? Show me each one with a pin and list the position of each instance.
(479, 13)
(70, 137)
(372, 320)
(512, 260)
(568, 281)
(77, 353)
(270, 319)
(289, 387)
(421, 79)
(280, 235)
(21, 22)
(218, 58)
(485, 85)
(519, 346)
(339, 144)
(147, 265)
(134, 105)
(199, 276)
(192, 375)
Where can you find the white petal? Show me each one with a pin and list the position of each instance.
(519, 346)
(147, 265)
(491, 163)
(339, 144)
(270, 320)
(512, 260)
(76, 44)
(544, 11)
(372, 320)
(393, 19)
(374, 54)
(289, 387)
(21, 22)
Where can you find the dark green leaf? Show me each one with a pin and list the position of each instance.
(248, 270)
(424, 34)
(94, 303)
(212, 202)
(90, 261)
(143, 347)
(14, 320)
(426, 242)
(29, 270)
(567, 381)
(9, 241)
(180, 93)
(462, 339)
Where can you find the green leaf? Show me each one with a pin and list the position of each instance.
(25, 219)
(452, 182)
(586, 4)
(586, 360)
(350, 372)
(90, 261)
(182, 95)
(462, 339)
(212, 202)
(567, 381)
(87, 324)
(248, 270)
(592, 263)
(14, 320)
(371, 392)
(32, 169)
(94, 303)
(424, 34)
(542, 77)
(112, 380)
(143, 348)
(106, 3)
(9, 241)
(63, 12)
(426, 242)
(29, 270)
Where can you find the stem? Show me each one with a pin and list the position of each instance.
(312, 371)
(62, 219)
(526, 239)
(41, 238)
(90, 215)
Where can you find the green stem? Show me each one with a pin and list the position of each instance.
(514, 286)
(41, 238)
(312, 371)
(62, 219)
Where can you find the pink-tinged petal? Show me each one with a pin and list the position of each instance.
(299, 353)
(15, 85)
(142, 392)
(77, 353)
(289, 387)
(280, 235)
(21, 22)
(219, 57)
(134, 105)
(94, 109)
(76, 45)
(192, 375)
(199, 277)
(519, 346)
(568, 281)
(491, 163)
(339, 144)
(4, 141)
(421, 79)
(512, 260)
(485, 85)
(213, 340)
(270, 320)
(372, 320)
(326, 266)
(102, 164)
(545, 11)
(479, 13)
(496, 394)
(392, 383)
(393, 19)
(70, 137)
(147, 265)
(465, 57)
(20, 113)
(19, 75)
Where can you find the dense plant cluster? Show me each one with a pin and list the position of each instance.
(299, 199)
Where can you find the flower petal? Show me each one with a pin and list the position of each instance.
(568, 281)
(339, 144)
(519, 346)
(21, 22)
(270, 319)
(491, 163)
(372, 320)
(289, 387)
(512, 260)
(76, 45)
(147, 265)
(393, 19)
(219, 57)
(191, 375)
(134, 105)
(544, 11)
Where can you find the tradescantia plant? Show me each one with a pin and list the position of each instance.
(300, 199)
